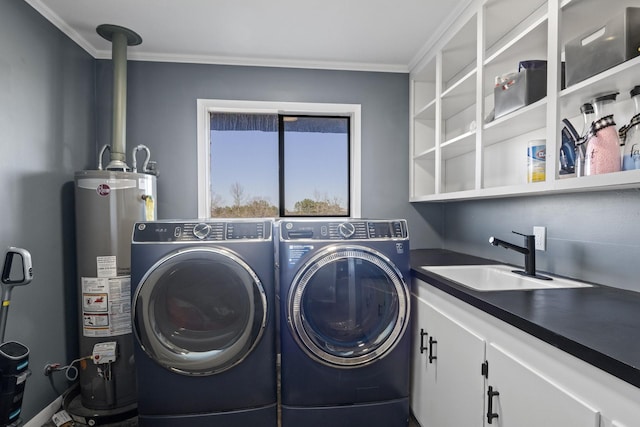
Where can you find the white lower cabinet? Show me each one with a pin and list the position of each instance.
(518, 396)
(448, 387)
(470, 369)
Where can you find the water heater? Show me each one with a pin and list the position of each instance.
(108, 203)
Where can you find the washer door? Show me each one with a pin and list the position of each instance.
(348, 306)
(199, 311)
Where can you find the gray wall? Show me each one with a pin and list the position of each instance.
(592, 236)
(55, 111)
(51, 123)
(46, 133)
(162, 115)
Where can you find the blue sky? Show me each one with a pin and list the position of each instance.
(315, 163)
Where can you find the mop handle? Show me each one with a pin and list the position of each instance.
(4, 310)
(8, 283)
(27, 267)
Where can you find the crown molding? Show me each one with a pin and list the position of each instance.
(138, 55)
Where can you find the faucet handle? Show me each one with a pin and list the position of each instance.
(521, 234)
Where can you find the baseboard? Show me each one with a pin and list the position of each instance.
(45, 415)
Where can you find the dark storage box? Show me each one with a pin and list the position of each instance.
(601, 48)
(529, 86)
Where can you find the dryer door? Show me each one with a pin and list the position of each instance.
(199, 311)
(348, 306)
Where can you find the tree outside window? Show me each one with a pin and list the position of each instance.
(270, 165)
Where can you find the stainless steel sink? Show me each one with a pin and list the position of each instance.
(499, 278)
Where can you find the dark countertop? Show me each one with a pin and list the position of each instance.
(600, 324)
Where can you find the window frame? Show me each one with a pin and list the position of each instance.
(207, 106)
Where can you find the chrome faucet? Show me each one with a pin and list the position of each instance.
(529, 252)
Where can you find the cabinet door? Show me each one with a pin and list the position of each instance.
(457, 374)
(420, 389)
(451, 386)
(527, 399)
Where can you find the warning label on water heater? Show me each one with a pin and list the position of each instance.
(106, 306)
(106, 266)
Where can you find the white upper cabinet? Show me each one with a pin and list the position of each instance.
(459, 150)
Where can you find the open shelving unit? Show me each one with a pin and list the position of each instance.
(458, 151)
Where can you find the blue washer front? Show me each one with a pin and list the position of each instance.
(345, 310)
(203, 295)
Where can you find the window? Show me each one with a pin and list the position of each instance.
(314, 166)
(263, 159)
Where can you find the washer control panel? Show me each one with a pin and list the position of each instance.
(206, 231)
(344, 230)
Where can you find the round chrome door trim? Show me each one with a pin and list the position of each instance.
(295, 315)
(182, 360)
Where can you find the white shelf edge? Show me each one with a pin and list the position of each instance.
(611, 181)
(458, 146)
(459, 83)
(615, 180)
(425, 154)
(487, 193)
(422, 111)
(515, 39)
(515, 114)
(458, 138)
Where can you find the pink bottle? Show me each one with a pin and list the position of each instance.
(603, 143)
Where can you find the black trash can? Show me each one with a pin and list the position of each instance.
(14, 370)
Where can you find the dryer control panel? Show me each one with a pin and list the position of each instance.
(344, 230)
(205, 231)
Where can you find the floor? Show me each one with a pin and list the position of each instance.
(72, 403)
(129, 423)
(134, 423)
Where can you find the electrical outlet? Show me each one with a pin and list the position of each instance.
(540, 234)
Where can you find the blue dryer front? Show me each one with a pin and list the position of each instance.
(344, 315)
(204, 324)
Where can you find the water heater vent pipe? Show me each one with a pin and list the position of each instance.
(120, 38)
